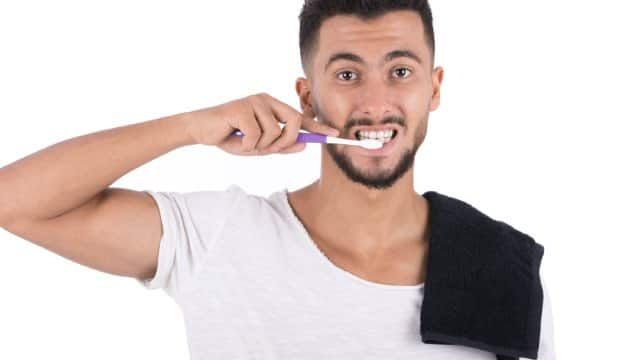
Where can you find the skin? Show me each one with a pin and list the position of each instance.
(363, 211)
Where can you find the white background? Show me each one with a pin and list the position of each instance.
(537, 127)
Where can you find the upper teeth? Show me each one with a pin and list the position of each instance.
(383, 135)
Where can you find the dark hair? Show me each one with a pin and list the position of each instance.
(314, 12)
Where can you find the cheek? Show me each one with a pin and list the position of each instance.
(418, 100)
(421, 128)
(335, 107)
(335, 98)
(416, 105)
(417, 111)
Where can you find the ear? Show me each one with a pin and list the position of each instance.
(303, 88)
(436, 78)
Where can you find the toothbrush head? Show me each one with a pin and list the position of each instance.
(371, 144)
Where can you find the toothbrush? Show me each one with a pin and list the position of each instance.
(325, 139)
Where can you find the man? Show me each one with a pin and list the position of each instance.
(335, 270)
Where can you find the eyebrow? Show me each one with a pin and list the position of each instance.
(355, 58)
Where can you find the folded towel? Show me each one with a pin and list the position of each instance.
(482, 286)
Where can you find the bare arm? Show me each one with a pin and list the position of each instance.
(65, 175)
(118, 232)
(59, 197)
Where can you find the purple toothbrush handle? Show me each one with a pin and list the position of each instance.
(302, 137)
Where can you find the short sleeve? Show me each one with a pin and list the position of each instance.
(546, 348)
(191, 225)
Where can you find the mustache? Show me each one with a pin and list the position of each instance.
(369, 122)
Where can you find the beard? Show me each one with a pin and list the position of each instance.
(379, 180)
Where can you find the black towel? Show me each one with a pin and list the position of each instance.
(482, 286)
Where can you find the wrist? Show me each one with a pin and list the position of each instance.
(186, 128)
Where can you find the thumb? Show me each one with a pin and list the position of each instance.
(309, 124)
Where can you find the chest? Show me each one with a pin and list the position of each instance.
(267, 294)
(308, 318)
(404, 264)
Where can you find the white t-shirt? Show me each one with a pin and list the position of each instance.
(252, 284)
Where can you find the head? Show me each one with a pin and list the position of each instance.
(369, 66)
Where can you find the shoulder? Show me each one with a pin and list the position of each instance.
(489, 254)
(452, 213)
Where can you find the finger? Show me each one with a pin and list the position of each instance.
(297, 147)
(309, 124)
(233, 145)
(283, 111)
(288, 137)
(286, 113)
(267, 122)
(251, 131)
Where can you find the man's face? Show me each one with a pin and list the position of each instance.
(374, 76)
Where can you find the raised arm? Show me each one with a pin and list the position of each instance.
(59, 197)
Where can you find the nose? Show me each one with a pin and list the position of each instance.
(375, 100)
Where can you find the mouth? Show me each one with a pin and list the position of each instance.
(384, 133)
(387, 134)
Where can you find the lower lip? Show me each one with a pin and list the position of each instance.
(386, 149)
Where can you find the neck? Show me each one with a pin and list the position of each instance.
(358, 219)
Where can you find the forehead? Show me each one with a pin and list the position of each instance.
(374, 37)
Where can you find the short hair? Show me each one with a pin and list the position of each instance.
(314, 12)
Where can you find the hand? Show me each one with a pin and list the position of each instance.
(258, 117)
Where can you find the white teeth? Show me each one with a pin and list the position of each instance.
(382, 135)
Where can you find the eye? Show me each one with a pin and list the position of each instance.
(402, 71)
(346, 78)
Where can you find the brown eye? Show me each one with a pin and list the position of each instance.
(347, 78)
(402, 71)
